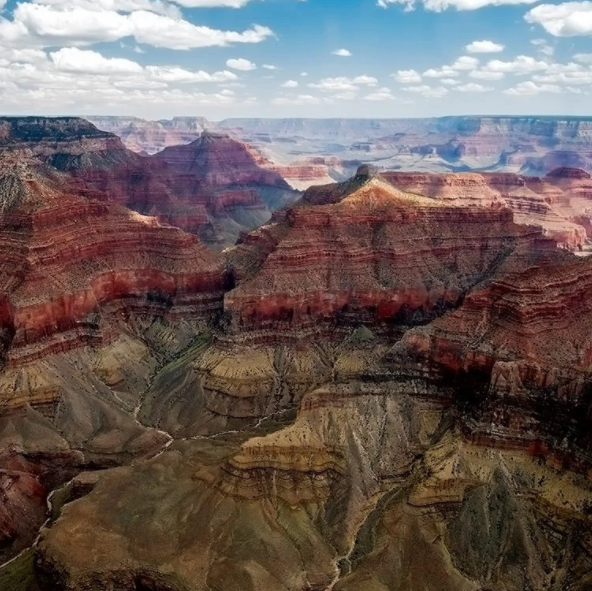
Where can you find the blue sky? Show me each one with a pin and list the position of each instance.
(281, 58)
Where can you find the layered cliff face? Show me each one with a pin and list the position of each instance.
(558, 203)
(66, 258)
(81, 275)
(502, 345)
(215, 188)
(365, 251)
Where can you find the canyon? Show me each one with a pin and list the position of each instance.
(310, 150)
(211, 380)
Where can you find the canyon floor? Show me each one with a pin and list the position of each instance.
(214, 382)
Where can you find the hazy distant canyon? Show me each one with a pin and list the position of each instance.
(312, 151)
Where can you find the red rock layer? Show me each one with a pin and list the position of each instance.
(214, 187)
(366, 252)
(523, 343)
(66, 260)
(217, 159)
(553, 203)
(195, 187)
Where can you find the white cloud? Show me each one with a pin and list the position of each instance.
(427, 91)
(290, 84)
(212, 3)
(486, 75)
(484, 46)
(173, 74)
(84, 81)
(342, 52)
(523, 64)
(443, 72)
(583, 58)
(301, 99)
(464, 62)
(342, 83)
(407, 76)
(530, 88)
(241, 64)
(156, 6)
(568, 19)
(71, 24)
(449, 81)
(304, 74)
(269, 67)
(578, 77)
(543, 47)
(440, 5)
(382, 94)
(473, 87)
(72, 59)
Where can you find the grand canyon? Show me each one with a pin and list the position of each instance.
(295, 355)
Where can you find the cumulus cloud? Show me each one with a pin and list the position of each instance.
(484, 46)
(486, 75)
(464, 62)
(529, 88)
(84, 81)
(381, 94)
(428, 91)
(543, 47)
(212, 3)
(574, 77)
(342, 52)
(441, 5)
(241, 64)
(473, 87)
(301, 99)
(407, 76)
(269, 67)
(522, 64)
(569, 19)
(583, 58)
(443, 72)
(173, 74)
(79, 24)
(72, 59)
(290, 84)
(157, 6)
(342, 83)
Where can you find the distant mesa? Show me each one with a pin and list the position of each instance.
(568, 173)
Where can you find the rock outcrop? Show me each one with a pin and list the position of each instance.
(558, 203)
(365, 252)
(67, 260)
(215, 188)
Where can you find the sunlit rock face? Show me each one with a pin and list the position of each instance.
(366, 251)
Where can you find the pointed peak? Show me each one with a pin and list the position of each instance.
(367, 172)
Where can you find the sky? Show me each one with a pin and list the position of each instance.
(295, 58)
